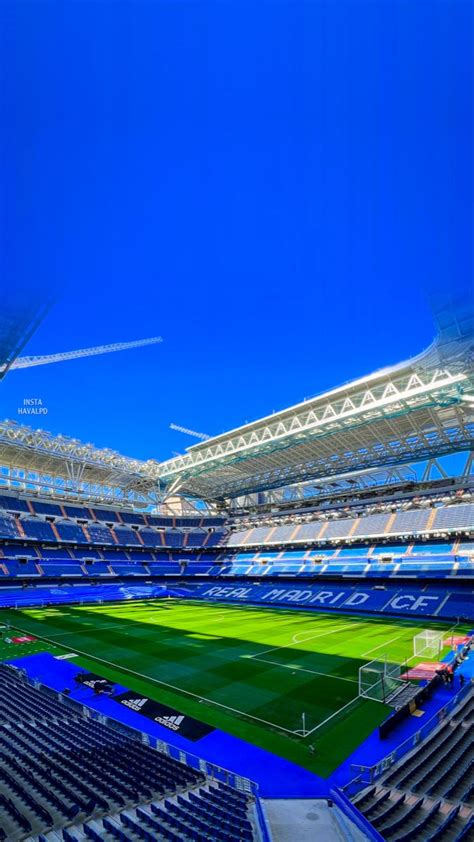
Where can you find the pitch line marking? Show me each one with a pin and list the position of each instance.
(172, 686)
(160, 640)
(295, 642)
(336, 713)
(298, 637)
(196, 695)
(451, 629)
(123, 625)
(302, 669)
(297, 732)
(385, 643)
(96, 629)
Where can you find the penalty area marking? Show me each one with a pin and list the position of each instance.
(94, 630)
(145, 677)
(385, 643)
(297, 668)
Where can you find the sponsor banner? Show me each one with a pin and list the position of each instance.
(95, 682)
(26, 638)
(186, 726)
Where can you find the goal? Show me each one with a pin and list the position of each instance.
(428, 644)
(380, 680)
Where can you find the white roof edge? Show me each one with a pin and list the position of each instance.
(361, 381)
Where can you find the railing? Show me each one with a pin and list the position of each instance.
(365, 775)
(212, 770)
(73, 599)
(350, 811)
(262, 820)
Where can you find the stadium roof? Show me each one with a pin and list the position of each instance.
(37, 458)
(416, 410)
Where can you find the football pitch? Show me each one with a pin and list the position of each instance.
(283, 679)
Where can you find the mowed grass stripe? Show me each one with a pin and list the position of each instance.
(185, 651)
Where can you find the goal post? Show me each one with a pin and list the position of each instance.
(379, 680)
(428, 644)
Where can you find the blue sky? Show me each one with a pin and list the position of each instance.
(276, 188)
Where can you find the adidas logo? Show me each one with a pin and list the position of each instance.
(172, 722)
(176, 719)
(135, 704)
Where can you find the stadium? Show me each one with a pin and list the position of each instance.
(272, 629)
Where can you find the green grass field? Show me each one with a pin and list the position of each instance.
(251, 671)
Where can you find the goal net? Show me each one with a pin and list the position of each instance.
(428, 644)
(379, 680)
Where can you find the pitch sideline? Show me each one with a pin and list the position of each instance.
(294, 732)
